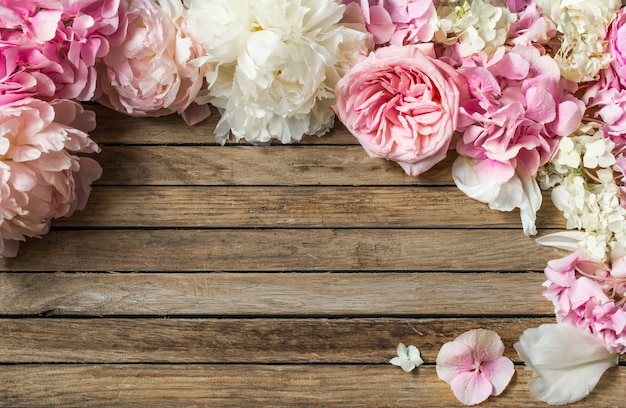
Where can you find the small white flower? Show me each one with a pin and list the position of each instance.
(408, 358)
(476, 25)
(598, 154)
(583, 24)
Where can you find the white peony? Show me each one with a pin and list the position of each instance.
(273, 64)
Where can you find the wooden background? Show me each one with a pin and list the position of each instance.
(202, 275)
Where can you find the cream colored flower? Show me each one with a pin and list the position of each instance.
(273, 64)
(584, 25)
(475, 25)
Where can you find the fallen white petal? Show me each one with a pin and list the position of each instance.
(567, 361)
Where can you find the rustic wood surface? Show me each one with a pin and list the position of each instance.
(237, 275)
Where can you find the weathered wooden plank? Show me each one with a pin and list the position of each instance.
(319, 206)
(260, 385)
(253, 165)
(320, 340)
(281, 250)
(266, 294)
(114, 127)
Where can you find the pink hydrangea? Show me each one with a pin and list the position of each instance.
(589, 294)
(607, 100)
(151, 72)
(531, 26)
(402, 104)
(399, 22)
(41, 175)
(518, 109)
(616, 48)
(511, 126)
(57, 42)
(474, 366)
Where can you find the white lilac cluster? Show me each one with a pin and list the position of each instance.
(474, 25)
(582, 52)
(585, 189)
(272, 65)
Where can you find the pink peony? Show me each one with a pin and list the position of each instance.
(399, 22)
(616, 48)
(401, 104)
(151, 73)
(474, 366)
(56, 42)
(590, 295)
(42, 177)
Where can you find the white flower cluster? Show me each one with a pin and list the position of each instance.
(475, 25)
(273, 65)
(583, 24)
(585, 190)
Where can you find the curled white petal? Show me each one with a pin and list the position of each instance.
(567, 240)
(520, 190)
(567, 361)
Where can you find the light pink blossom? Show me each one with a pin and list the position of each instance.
(519, 109)
(474, 366)
(402, 104)
(616, 47)
(399, 22)
(531, 26)
(606, 98)
(41, 176)
(587, 294)
(151, 72)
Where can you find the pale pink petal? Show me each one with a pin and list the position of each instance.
(486, 345)
(380, 25)
(499, 373)
(471, 388)
(570, 114)
(540, 105)
(454, 358)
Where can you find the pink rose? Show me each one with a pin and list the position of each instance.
(41, 177)
(151, 72)
(617, 46)
(402, 104)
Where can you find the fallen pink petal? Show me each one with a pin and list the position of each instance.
(474, 366)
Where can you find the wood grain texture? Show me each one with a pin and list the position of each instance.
(282, 250)
(225, 340)
(259, 385)
(117, 128)
(320, 206)
(247, 276)
(268, 294)
(253, 165)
